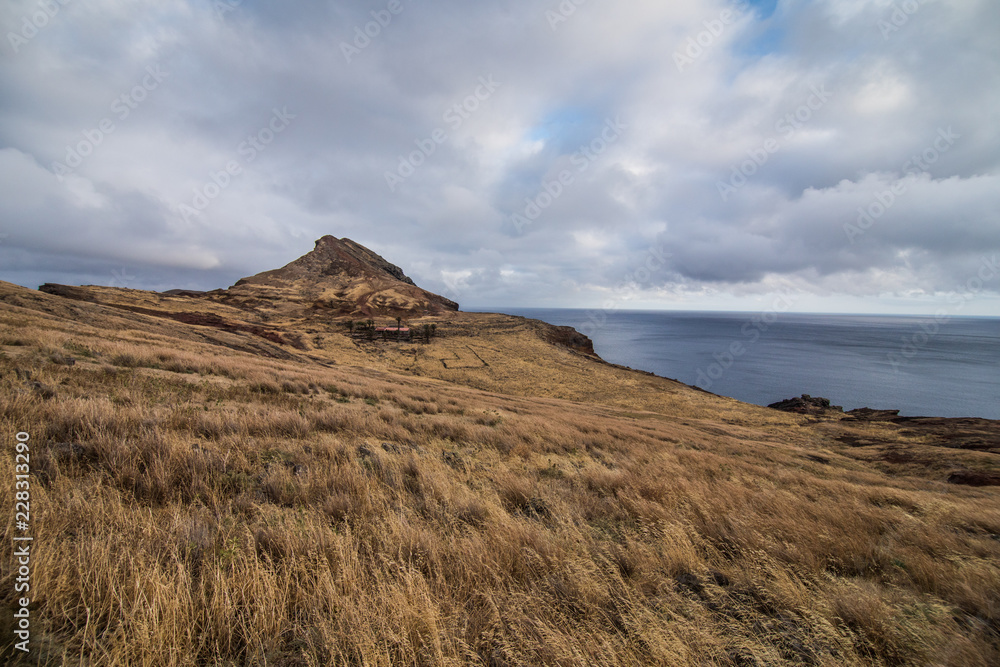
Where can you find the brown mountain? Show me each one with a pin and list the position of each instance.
(338, 277)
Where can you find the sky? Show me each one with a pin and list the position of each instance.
(839, 155)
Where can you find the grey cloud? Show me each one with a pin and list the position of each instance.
(449, 224)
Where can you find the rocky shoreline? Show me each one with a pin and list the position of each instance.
(967, 433)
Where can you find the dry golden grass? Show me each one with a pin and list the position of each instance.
(194, 504)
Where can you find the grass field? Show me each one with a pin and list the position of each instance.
(198, 499)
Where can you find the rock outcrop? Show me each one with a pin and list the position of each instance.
(571, 338)
(816, 405)
(806, 405)
(341, 278)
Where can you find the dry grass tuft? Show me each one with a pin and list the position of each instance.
(196, 505)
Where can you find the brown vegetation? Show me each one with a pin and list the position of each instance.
(196, 501)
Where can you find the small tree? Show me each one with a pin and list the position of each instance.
(350, 326)
(433, 329)
(427, 333)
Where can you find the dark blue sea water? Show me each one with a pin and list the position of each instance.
(918, 365)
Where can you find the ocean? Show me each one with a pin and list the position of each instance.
(921, 366)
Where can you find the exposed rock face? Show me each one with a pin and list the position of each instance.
(571, 338)
(339, 277)
(816, 405)
(806, 405)
(332, 257)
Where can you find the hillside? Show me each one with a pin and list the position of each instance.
(339, 277)
(232, 477)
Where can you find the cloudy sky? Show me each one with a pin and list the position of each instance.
(634, 154)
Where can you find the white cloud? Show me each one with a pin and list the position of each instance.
(450, 221)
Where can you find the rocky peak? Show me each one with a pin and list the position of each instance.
(342, 277)
(334, 257)
(363, 255)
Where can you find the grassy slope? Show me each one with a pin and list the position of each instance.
(197, 502)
